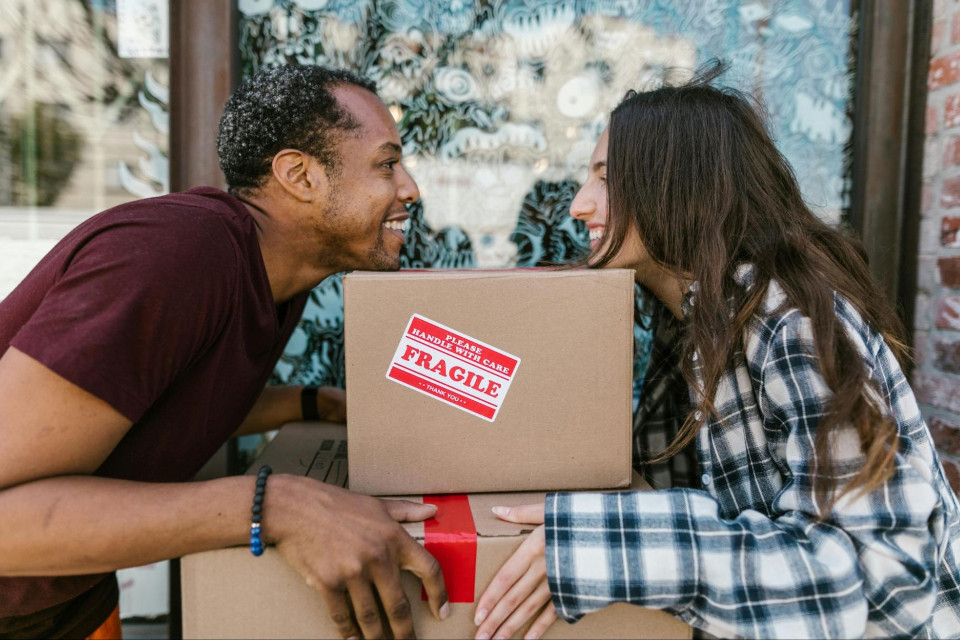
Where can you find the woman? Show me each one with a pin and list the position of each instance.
(808, 499)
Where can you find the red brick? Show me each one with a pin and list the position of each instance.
(944, 71)
(950, 192)
(946, 435)
(951, 111)
(951, 152)
(937, 391)
(931, 123)
(949, 271)
(948, 313)
(947, 357)
(952, 470)
(949, 228)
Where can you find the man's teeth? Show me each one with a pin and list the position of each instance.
(596, 234)
(396, 225)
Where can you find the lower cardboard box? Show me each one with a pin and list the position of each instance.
(229, 593)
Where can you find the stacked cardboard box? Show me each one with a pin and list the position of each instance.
(469, 381)
(231, 594)
(464, 383)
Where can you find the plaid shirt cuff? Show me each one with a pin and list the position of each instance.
(636, 547)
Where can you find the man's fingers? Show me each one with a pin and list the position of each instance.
(418, 561)
(339, 609)
(525, 514)
(395, 603)
(365, 609)
(407, 511)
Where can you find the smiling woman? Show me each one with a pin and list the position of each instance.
(802, 495)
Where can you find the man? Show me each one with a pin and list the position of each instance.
(141, 342)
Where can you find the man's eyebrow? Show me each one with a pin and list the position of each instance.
(391, 146)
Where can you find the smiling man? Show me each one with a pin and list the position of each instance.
(143, 341)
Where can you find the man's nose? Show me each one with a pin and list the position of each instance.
(408, 191)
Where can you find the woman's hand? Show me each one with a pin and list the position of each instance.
(519, 590)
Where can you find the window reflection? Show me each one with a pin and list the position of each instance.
(81, 127)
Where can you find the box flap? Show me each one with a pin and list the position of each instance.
(488, 525)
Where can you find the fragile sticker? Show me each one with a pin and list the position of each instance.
(453, 367)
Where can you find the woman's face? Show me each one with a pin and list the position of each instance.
(590, 205)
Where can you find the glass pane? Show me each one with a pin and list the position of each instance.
(500, 104)
(82, 127)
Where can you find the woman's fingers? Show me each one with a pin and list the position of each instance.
(542, 623)
(525, 514)
(512, 570)
(517, 607)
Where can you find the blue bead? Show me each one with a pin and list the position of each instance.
(257, 551)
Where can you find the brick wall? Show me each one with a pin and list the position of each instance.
(936, 378)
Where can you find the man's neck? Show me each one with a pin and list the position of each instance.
(290, 269)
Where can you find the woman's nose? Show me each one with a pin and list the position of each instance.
(584, 206)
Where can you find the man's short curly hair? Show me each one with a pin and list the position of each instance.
(287, 107)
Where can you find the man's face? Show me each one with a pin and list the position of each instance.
(365, 214)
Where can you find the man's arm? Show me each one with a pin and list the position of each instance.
(57, 520)
(281, 403)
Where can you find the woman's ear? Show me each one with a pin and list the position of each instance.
(300, 175)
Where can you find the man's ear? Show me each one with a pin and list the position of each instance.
(299, 174)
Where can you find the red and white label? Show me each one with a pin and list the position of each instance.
(452, 367)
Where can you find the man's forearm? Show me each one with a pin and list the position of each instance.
(275, 406)
(78, 524)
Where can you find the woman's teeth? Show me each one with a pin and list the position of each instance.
(596, 234)
(396, 225)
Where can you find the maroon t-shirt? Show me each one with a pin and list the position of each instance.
(161, 308)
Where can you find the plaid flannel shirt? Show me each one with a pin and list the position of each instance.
(742, 551)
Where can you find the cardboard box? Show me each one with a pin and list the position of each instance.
(231, 594)
(472, 381)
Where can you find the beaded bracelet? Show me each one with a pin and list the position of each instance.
(256, 544)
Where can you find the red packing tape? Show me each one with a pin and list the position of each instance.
(451, 536)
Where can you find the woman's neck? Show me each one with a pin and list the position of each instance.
(665, 285)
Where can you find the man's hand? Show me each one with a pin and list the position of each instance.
(350, 549)
(332, 404)
(520, 590)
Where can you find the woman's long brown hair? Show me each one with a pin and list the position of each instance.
(695, 171)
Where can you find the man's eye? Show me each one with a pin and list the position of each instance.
(389, 164)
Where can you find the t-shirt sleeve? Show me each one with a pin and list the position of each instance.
(137, 302)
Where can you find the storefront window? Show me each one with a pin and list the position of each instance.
(501, 102)
(83, 127)
(83, 117)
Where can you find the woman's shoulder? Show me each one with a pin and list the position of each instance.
(781, 323)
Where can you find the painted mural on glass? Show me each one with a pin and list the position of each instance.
(500, 102)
